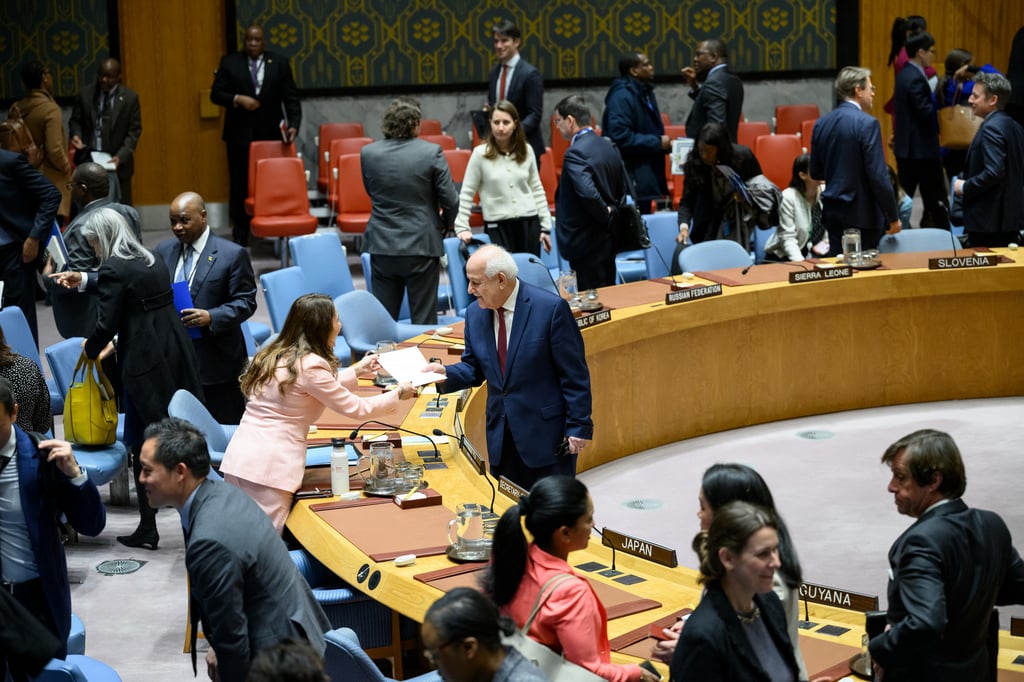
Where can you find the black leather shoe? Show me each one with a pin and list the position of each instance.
(147, 538)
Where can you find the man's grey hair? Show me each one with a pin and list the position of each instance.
(498, 260)
(996, 85)
(849, 78)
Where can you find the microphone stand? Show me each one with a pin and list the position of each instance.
(478, 464)
(355, 432)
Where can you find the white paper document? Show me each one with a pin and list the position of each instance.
(406, 364)
(104, 159)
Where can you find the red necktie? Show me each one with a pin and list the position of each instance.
(501, 85)
(502, 339)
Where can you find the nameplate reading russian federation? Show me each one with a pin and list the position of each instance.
(510, 489)
(692, 294)
(590, 319)
(977, 260)
(819, 274)
(833, 596)
(639, 548)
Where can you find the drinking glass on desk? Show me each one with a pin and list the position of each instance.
(851, 243)
(569, 289)
(383, 376)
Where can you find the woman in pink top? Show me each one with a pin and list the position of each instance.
(560, 515)
(288, 385)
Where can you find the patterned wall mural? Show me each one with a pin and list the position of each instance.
(69, 36)
(386, 43)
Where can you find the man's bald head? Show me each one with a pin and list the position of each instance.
(188, 217)
(90, 181)
(109, 74)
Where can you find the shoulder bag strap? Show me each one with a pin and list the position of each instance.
(543, 595)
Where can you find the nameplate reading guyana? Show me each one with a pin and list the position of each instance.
(977, 260)
(590, 319)
(639, 548)
(833, 596)
(510, 489)
(819, 274)
(692, 294)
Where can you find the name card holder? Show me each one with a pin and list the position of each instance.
(639, 548)
(820, 274)
(977, 260)
(510, 489)
(590, 319)
(692, 293)
(839, 598)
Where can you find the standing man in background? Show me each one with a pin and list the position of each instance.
(518, 81)
(257, 90)
(716, 92)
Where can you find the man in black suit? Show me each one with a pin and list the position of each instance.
(518, 81)
(28, 205)
(257, 90)
(106, 117)
(223, 288)
(589, 187)
(994, 168)
(948, 570)
(716, 92)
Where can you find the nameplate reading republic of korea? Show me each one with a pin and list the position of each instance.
(693, 293)
(510, 489)
(976, 260)
(640, 548)
(833, 596)
(590, 319)
(819, 274)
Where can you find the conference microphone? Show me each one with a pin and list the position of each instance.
(795, 263)
(538, 261)
(477, 461)
(671, 277)
(610, 544)
(355, 432)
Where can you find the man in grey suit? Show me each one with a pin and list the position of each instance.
(245, 588)
(413, 203)
(716, 92)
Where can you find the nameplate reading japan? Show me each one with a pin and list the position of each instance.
(510, 489)
(639, 548)
(977, 260)
(819, 274)
(833, 596)
(590, 319)
(693, 293)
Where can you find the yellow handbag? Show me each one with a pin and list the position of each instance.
(90, 408)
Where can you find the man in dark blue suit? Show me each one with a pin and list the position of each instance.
(518, 81)
(994, 169)
(590, 186)
(524, 343)
(847, 153)
(223, 289)
(717, 93)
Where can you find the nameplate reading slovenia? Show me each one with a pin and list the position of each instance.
(820, 274)
(639, 548)
(693, 293)
(977, 260)
(833, 596)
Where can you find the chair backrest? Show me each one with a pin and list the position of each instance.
(324, 262)
(760, 238)
(532, 271)
(280, 188)
(789, 117)
(558, 146)
(364, 320)
(78, 668)
(548, 180)
(749, 131)
(62, 358)
(776, 154)
(352, 196)
(281, 288)
(716, 254)
(457, 272)
(446, 141)
(329, 132)
(186, 406)
(921, 239)
(339, 148)
(430, 126)
(807, 132)
(457, 160)
(344, 658)
(266, 149)
(665, 120)
(662, 229)
(250, 340)
(18, 335)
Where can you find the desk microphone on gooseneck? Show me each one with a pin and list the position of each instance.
(538, 261)
(355, 432)
(610, 544)
(477, 462)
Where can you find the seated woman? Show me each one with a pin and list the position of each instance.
(289, 384)
(559, 515)
(738, 631)
(800, 229)
(30, 391)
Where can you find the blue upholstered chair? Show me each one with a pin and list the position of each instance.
(76, 636)
(345, 660)
(78, 668)
(457, 271)
(662, 228)
(19, 338)
(280, 289)
(186, 406)
(716, 254)
(760, 239)
(324, 262)
(533, 271)
(921, 239)
(365, 321)
(259, 331)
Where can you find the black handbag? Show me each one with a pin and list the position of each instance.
(629, 231)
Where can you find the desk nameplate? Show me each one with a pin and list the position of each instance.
(590, 319)
(639, 548)
(693, 293)
(834, 596)
(820, 274)
(510, 489)
(977, 260)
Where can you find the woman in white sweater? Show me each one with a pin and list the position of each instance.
(800, 232)
(504, 173)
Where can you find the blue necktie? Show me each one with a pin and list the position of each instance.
(186, 266)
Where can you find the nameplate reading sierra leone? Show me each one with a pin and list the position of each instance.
(977, 260)
(510, 489)
(693, 293)
(819, 274)
(590, 319)
(640, 548)
(833, 596)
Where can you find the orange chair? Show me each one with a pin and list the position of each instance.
(264, 150)
(281, 208)
(548, 180)
(457, 160)
(339, 148)
(558, 146)
(807, 132)
(430, 126)
(665, 121)
(749, 131)
(446, 141)
(329, 132)
(788, 117)
(353, 202)
(776, 153)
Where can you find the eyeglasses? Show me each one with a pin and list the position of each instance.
(431, 653)
(70, 185)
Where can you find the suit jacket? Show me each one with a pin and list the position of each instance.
(916, 122)
(591, 181)
(28, 201)
(718, 100)
(714, 648)
(43, 119)
(847, 152)
(544, 394)
(994, 175)
(633, 122)
(248, 591)
(121, 132)
(153, 348)
(278, 92)
(698, 202)
(222, 284)
(409, 222)
(948, 570)
(46, 494)
(526, 92)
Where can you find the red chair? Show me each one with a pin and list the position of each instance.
(281, 208)
(789, 117)
(446, 141)
(329, 132)
(549, 180)
(353, 202)
(457, 160)
(749, 131)
(271, 149)
(776, 153)
(430, 126)
(665, 121)
(807, 132)
(558, 146)
(339, 148)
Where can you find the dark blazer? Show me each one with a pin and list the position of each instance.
(633, 122)
(698, 201)
(224, 286)
(847, 152)
(122, 132)
(718, 100)
(249, 593)
(28, 201)
(916, 123)
(153, 348)
(994, 176)
(526, 92)
(947, 572)
(47, 494)
(544, 394)
(591, 181)
(278, 91)
(714, 648)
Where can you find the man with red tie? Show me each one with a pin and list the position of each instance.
(518, 81)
